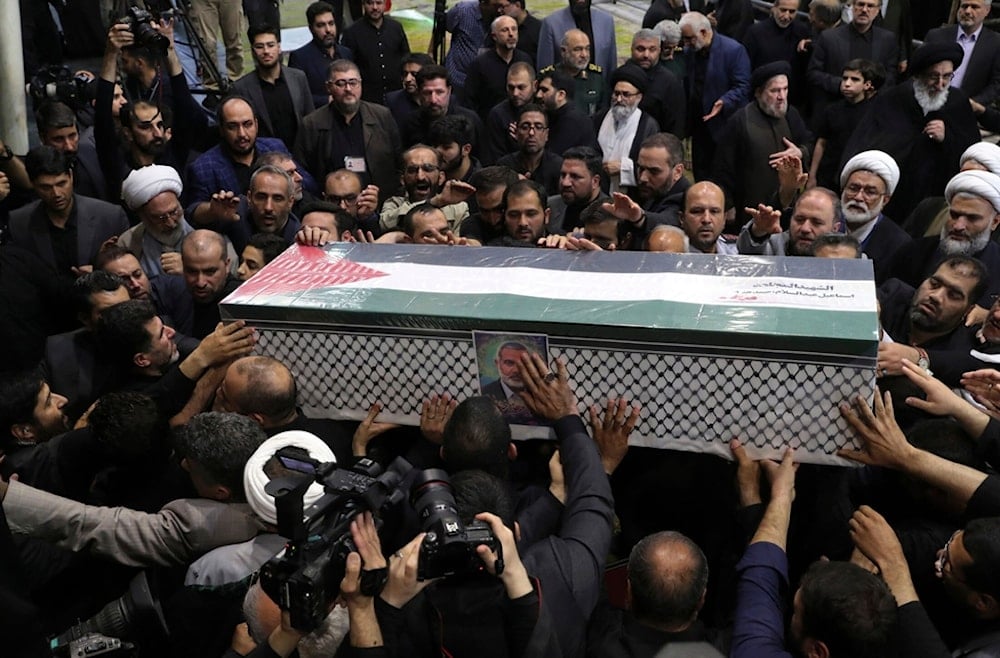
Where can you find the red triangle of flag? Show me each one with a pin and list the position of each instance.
(303, 268)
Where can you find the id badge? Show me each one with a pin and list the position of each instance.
(357, 165)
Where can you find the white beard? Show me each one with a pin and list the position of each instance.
(926, 101)
(622, 112)
(857, 217)
(952, 247)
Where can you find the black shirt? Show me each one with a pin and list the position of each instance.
(64, 242)
(545, 174)
(379, 53)
(860, 43)
(347, 141)
(206, 316)
(278, 101)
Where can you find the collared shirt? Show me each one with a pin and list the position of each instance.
(281, 111)
(967, 42)
(861, 42)
(378, 52)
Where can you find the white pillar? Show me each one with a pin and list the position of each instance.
(13, 104)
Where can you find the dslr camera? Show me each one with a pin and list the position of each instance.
(138, 21)
(449, 547)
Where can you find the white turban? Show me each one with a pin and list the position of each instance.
(985, 154)
(254, 478)
(977, 183)
(879, 163)
(146, 182)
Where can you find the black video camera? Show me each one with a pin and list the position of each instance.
(449, 548)
(305, 580)
(58, 83)
(138, 21)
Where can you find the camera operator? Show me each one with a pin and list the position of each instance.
(359, 622)
(566, 568)
(158, 126)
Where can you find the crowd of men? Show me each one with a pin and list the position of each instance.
(143, 431)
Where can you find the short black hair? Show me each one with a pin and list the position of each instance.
(52, 115)
(523, 187)
(126, 116)
(451, 129)
(477, 436)
(477, 491)
(221, 444)
(47, 161)
(587, 155)
(130, 427)
(263, 28)
(532, 107)
(110, 254)
(317, 9)
(121, 330)
(423, 59)
(90, 283)
(978, 271)
(836, 240)
(433, 72)
(406, 225)
(560, 82)
(668, 141)
(981, 540)
(849, 609)
(870, 71)
(18, 397)
(493, 178)
(270, 244)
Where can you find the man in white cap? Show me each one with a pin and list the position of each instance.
(153, 194)
(974, 212)
(867, 182)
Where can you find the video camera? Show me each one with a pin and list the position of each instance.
(305, 579)
(138, 21)
(58, 83)
(135, 615)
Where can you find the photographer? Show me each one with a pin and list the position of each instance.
(565, 569)
(160, 124)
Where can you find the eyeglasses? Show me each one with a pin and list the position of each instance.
(415, 169)
(935, 77)
(173, 214)
(869, 192)
(528, 127)
(352, 83)
(346, 198)
(945, 560)
(624, 94)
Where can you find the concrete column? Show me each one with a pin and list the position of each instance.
(13, 103)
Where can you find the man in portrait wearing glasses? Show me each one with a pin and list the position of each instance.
(423, 181)
(350, 133)
(924, 124)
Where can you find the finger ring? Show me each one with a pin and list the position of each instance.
(398, 554)
(551, 377)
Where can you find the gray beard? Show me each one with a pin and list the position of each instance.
(962, 248)
(856, 218)
(621, 112)
(927, 102)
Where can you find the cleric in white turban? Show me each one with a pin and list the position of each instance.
(879, 163)
(153, 194)
(982, 155)
(145, 183)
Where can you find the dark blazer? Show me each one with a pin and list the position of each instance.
(727, 76)
(74, 369)
(96, 221)
(382, 145)
(982, 75)
(298, 88)
(661, 10)
(882, 244)
(833, 49)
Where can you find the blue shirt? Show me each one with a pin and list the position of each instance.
(761, 593)
(465, 22)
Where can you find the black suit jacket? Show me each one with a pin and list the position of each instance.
(74, 369)
(833, 49)
(96, 221)
(882, 244)
(982, 75)
(298, 89)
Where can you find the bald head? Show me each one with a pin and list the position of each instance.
(667, 577)
(206, 265)
(704, 216)
(668, 240)
(259, 387)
